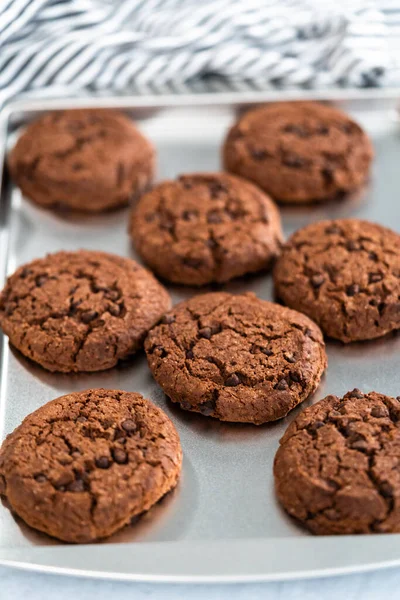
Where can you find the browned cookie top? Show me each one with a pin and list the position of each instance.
(80, 311)
(299, 151)
(344, 274)
(206, 227)
(80, 467)
(236, 358)
(337, 468)
(87, 160)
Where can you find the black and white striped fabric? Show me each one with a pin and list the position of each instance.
(52, 48)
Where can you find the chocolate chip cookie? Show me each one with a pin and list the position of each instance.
(86, 160)
(345, 275)
(236, 358)
(80, 311)
(299, 151)
(80, 467)
(337, 467)
(205, 228)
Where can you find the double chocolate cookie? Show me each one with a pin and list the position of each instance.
(299, 151)
(86, 160)
(337, 468)
(80, 311)
(236, 358)
(205, 228)
(80, 467)
(345, 275)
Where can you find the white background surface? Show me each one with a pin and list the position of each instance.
(32, 586)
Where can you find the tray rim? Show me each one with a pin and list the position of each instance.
(254, 560)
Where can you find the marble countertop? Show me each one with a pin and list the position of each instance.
(367, 586)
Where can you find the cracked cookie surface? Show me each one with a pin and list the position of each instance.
(236, 358)
(85, 160)
(80, 311)
(205, 228)
(299, 152)
(337, 468)
(345, 275)
(82, 466)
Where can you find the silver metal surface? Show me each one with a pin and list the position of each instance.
(222, 523)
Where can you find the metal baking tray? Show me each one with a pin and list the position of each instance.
(222, 523)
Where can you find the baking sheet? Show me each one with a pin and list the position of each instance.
(222, 523)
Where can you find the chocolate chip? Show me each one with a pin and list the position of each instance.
(297, 130)
(328, 174)
(333, 229)
(129, 425)
(355, 394)
(89, 315)
(41, 280)
(114, 310)
(40, 478)
(322, 130)
(214, 217)
(205, 332)
(99, 287)
(293, 160)
(379, 412)
(308, 332)
(386, 489)
(317, 280)
(351, 246)
(189, 354)
(168, 319)
(76, 486)
(112, 295)
(258, 154)
(359, 445)
(266, 351)
(282, 385)
(81, 419)
(103, 462)
(346, 127)
(216, 189)
(352, 289)
(186, 184)
(295, 376)
(120, 456)
(289, 357)
(316, 425)
(185, 405)
(374, 277)
(207, 408)
(167, 223)
(189, 215)
(211, 243)
(232, 381)
(373, 256)
(254, 349)
(194, 263)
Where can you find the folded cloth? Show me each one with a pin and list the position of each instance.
(51, 48)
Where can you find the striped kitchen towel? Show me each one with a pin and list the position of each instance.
(74, 47)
